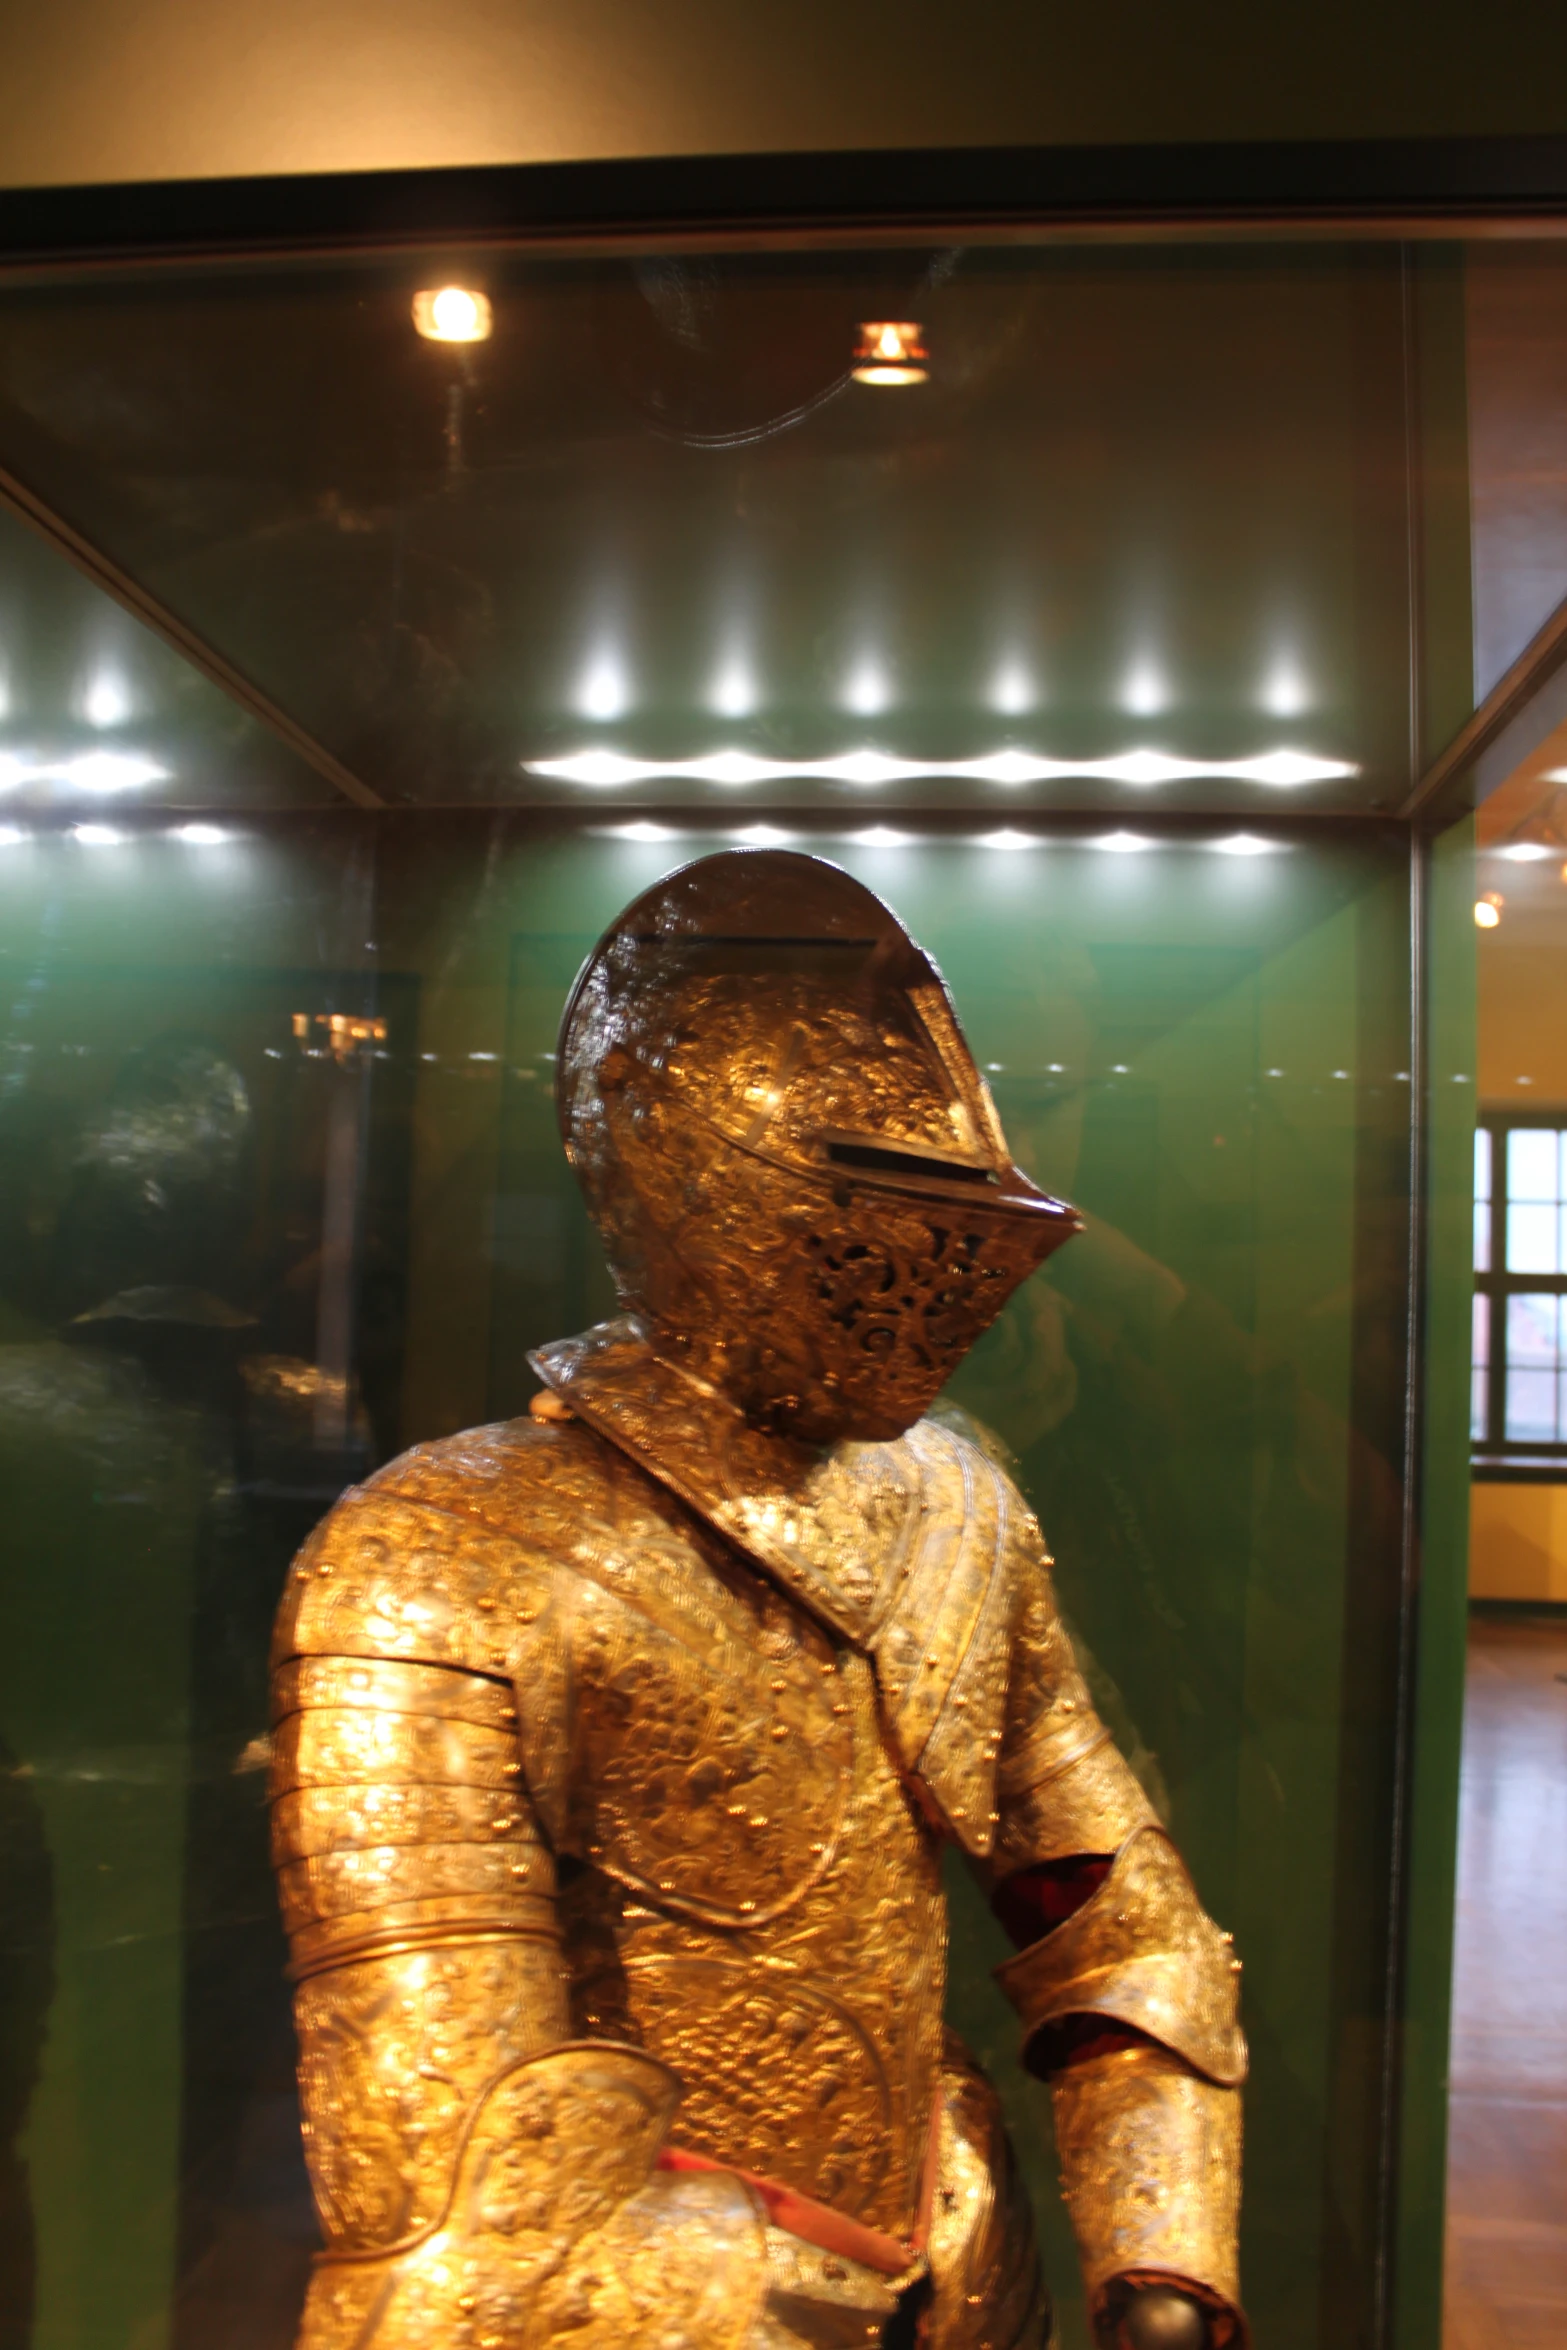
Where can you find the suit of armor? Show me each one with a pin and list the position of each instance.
(616, 1746)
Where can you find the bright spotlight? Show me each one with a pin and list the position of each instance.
(734, 690)
(453, 314)
(1145, 691)
(603, 693)
(866, 691)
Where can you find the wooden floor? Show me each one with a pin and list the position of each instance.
(1507, 2162)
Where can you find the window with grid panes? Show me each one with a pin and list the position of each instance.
(1518, 1383)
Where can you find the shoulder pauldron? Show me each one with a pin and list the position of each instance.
(677, 1718)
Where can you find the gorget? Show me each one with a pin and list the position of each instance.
(910, 1551)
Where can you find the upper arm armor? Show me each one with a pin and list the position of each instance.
(399, 1814)
(1141, 1952)
(1063, 1786)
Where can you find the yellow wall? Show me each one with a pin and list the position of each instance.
(103, 90)
(1518, 1542)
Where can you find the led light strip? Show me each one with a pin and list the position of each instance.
(92, 771)
(1282, 770)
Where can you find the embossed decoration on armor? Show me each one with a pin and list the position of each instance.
(615, 1747)
(1141, 1952)
(797, 1169)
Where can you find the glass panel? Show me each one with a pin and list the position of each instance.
(1179, 1040)
(456, 567)
(1482, 1209)
(1516, 301)
(98, 715)
(1534, 1240)
(1480, 1357)
(1532, 1169)
(281, 1185)
(1533, 1360)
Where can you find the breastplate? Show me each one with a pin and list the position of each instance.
(809, 2042)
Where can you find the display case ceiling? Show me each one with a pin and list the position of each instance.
(1141, 541)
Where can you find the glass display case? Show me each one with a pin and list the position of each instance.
(1103, 620)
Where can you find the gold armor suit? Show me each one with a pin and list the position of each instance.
(616, 1746)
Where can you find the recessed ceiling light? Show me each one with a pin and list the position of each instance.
(1525, 852)
(201, 836)
(12, 835)
(1245, 844)
(1488, 913)
(891, 352)
(97, 836)
(763, 836)
(453, 314)
(647, 832)
(880, 836)
(1008, 840)
(1121, 844)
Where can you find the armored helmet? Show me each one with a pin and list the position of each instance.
(795, 1165)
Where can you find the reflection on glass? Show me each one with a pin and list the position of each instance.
(1534, 1368)
(1480, 1361)
(1482, 1199)
(1534, 1201)
(507, 596)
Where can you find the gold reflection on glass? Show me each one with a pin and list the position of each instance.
(346, 1035)
(453, 314)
